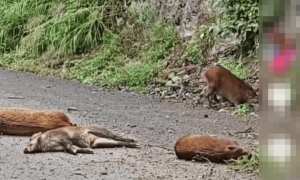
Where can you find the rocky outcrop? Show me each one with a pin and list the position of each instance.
(185, 15)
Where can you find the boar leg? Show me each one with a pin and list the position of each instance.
(105, 133)
(235, 104)
(119, 138)
(208, 94)
(83, 150)
(209, 101)
(215, 98)
(68, 146)
(103, 142)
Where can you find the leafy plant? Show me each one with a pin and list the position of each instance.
(145, 11)
(248, 163)
(196, 52)
(193, 54)
(243, 110)
(239, 18)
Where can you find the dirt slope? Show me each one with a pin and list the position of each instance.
(141, 118)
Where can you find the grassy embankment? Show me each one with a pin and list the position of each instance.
(90, 41)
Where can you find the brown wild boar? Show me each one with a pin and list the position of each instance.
(26, 122)
(220, 81)
(212, 148)
(76, 140)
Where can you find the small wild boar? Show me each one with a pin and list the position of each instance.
(220, 81)
(211, 148)
(26, 122)
(76, 140)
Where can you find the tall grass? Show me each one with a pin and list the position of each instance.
(30, 27)
(128, 58)
(127, 42)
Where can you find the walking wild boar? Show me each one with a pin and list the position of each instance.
(220, 81)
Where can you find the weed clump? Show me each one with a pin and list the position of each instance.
(243, 110)
(248, 163)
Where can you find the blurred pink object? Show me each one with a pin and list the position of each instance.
(284, 52)
(283, 60)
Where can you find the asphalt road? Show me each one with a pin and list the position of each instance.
(156, 125)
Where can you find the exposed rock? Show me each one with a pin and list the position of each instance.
(169, 83)
(172, 96)
(171, 75)
(175, 78)
(157, 89)
(186, 15)
(223, 48)
(186, 77)
(222, 110)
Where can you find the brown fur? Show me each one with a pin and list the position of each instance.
(212, 148)
(76, 140)
(26, 122)
(220, 81)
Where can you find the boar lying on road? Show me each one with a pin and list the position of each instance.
(26, 122)
(211, 148)
(76, 140)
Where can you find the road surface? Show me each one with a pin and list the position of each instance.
(155, 125)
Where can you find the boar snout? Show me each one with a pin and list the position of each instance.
(26, 151)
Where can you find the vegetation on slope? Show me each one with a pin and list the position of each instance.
(109, 42)
(231, 19)
(45, 37)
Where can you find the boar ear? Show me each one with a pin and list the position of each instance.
(39, 140)
(236, 150)
(35, 135)
(232, 148)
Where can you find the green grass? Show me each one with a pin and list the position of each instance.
(243, 110)
(193, 53)
(42, 37)
(113, 67)
(247, 164)
(32, 27)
